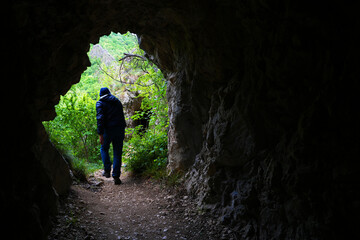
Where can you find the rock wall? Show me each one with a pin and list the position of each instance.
(261, 105)
(278, 150)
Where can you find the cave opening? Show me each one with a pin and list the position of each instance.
(118, 64)
(261, 107)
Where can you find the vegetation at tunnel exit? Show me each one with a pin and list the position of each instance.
(73, 131)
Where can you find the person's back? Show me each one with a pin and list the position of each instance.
(111, 129)
(110, 112)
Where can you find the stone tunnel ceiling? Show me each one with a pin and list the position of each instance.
(261, 104)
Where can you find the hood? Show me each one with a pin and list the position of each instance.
(104, 91)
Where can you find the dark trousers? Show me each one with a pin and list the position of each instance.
(114, 135)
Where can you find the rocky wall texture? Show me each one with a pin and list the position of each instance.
(261, 105)
(280, 142)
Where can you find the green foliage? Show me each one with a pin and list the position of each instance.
(74, 128)
(146, 151)
(73, 131)
(117, 44)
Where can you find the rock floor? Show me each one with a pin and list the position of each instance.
(136, 209)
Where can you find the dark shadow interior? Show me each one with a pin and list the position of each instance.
(262, 106)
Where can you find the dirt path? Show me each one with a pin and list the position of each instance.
(136, 209)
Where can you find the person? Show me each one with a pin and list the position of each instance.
(111, 129)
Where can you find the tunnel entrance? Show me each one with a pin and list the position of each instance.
(261, 106)
(119, 64)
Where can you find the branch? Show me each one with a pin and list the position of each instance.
(113, 77)
(127, 55)
(122, 81)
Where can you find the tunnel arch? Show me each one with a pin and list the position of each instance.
(51, 40)
(161, 35)
(261, 106)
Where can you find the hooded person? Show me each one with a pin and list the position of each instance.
(111, 129)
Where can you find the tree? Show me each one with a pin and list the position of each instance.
(74, 128)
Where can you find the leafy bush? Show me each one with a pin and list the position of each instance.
(145, 150)
(73, 131)
(74, 128)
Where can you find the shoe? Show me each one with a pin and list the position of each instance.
(117, 181)
(106, 174)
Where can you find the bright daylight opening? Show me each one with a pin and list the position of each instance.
(119, 64)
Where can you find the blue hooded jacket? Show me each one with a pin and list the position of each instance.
(109, 112)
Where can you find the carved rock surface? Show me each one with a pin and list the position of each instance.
(262, 105)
